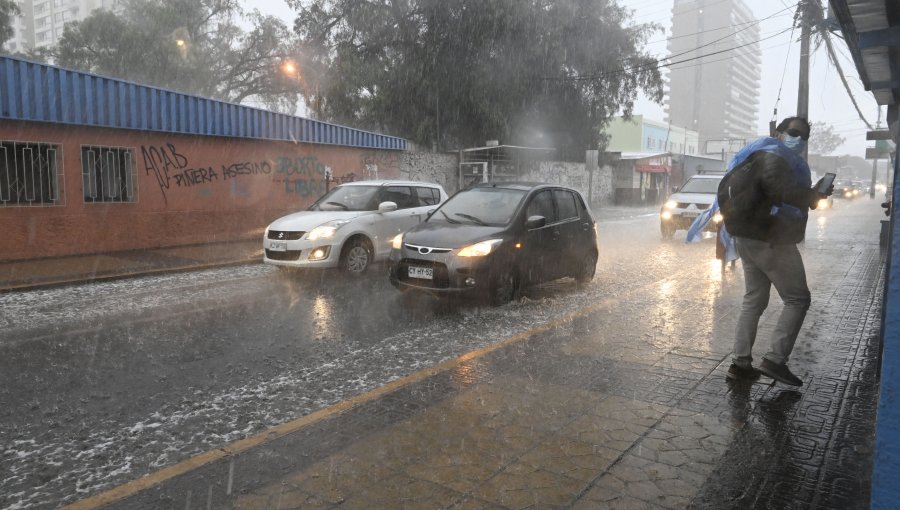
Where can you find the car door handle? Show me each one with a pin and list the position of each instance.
(585, 226)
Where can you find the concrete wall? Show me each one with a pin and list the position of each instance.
(189, 189)
(576, 176)
(442, 168)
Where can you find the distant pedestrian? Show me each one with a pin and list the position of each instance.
(767, 215)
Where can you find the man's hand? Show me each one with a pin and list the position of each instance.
(827, 193)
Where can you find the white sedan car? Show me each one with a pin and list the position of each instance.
(351, 226)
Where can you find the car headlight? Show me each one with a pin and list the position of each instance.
(823, 203)
(666, 215)
(326, 230)
(671, 204)
(718, 217)
(397, 242)
(480, 249)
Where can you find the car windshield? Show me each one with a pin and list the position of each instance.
(700, 186)
(347, 198)
(480, 206)
(842, 183)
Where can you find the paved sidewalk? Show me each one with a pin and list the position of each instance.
(621, 405)
(63, 270)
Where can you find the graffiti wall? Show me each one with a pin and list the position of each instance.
(170, 189)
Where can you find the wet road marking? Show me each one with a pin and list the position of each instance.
(155, 478)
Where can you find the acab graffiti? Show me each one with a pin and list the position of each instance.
(169, 166)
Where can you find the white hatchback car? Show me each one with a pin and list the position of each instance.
(351, 226)
(683, 206)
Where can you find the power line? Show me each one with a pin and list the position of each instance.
(725, 58)
(656, 64)
(719, 39)
(837, 64)
(783, 73)
(713, 29)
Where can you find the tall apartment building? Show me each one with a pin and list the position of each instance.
(717, 95)
(41, 22)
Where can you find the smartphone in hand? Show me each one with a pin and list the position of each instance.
(825, 183)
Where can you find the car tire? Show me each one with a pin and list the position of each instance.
(587, 270)
(504, 288)
(667, 232)
(356, 257)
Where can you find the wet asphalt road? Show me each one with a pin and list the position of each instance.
(102, 383)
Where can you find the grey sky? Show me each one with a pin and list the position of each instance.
(828, 101)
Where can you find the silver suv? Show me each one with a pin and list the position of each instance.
(687, 202)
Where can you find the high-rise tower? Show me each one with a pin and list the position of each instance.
(41, 22)
(716, 95)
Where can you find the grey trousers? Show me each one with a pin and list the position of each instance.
(766, 265)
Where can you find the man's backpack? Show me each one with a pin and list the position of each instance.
(739, 197)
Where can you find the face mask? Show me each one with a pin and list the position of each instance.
(794, 142)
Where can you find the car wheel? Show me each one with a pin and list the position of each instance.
(587, 270)
(505, 288)
(667, 232)
(356, 257)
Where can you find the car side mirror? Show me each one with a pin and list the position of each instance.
(387, 206)
(534, 222)
(674, 189)
(429, 213)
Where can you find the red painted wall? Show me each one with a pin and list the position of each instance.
(189, 189)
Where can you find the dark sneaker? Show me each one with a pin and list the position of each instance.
(780, 373)
(739, 373)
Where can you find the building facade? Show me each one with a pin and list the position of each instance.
(41, 22)
(715, 95)
(641, 134)
(91, 164)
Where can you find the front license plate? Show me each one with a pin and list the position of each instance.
(424, 273)
(278, 246)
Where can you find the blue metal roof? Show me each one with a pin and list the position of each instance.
(32, 91)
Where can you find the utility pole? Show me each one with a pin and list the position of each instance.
(803, 92)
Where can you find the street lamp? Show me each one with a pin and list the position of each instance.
(290, 69)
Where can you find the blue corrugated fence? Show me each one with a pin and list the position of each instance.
(32, 91)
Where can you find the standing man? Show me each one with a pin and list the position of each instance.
(765, 204)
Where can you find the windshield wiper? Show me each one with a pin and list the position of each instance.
(449, 220)
(475, 219)
(339, 205)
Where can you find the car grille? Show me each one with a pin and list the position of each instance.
(441, 278)
(289, 255)
(685, 205)
(425, 250)
(283, 235)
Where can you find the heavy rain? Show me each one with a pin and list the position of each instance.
(228, 278)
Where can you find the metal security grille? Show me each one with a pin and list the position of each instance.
(30, 174)
(107, 174)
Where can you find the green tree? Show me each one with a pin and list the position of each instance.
(823, 140)
(8, 12)
(459, 72)
(194, 46)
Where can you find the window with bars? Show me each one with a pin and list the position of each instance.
(107, 174)
(29, 174)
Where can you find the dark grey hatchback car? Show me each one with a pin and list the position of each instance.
(493, 239)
